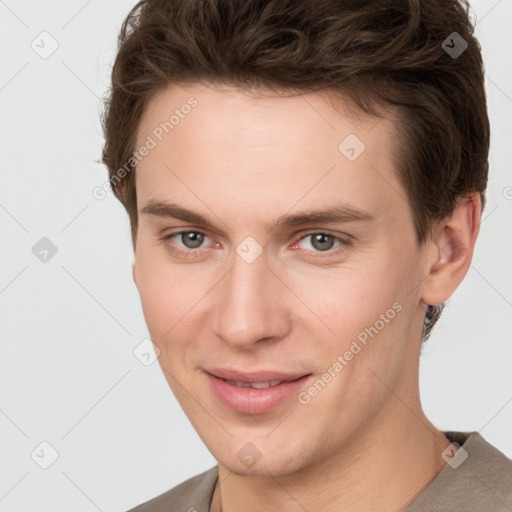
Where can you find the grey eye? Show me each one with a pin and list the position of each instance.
(192, 239)
(319, 242)
(322, 241)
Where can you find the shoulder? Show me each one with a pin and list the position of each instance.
(477, 477)
(192, 495)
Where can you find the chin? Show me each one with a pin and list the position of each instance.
(279, 464)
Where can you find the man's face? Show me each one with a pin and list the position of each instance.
(331, 307)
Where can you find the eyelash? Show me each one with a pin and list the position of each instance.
(193, 253)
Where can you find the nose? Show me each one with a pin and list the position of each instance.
(251, 305)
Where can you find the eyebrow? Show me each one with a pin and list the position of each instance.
(330, 215)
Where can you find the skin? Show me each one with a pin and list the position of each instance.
(244, 160)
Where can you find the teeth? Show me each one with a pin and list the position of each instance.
(256, 385)
(261, 385)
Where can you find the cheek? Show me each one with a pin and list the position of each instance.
(368, 309)
(172, 297)
(349, 298)
(163, 294)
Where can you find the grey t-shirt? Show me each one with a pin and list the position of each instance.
(482, 482)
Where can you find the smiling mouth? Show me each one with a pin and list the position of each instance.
(257, 385)
(259, 379)
(257, 392)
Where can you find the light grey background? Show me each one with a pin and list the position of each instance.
(68, 375)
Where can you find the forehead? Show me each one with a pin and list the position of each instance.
(254, 109)
(262, 149)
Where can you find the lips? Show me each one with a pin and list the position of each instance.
(254, 392)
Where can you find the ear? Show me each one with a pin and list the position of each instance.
(451, 250)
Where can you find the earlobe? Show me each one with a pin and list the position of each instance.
(133, 274)
(452, 249)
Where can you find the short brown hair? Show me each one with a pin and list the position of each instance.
(375, 52)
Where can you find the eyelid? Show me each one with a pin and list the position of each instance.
(310, 232)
